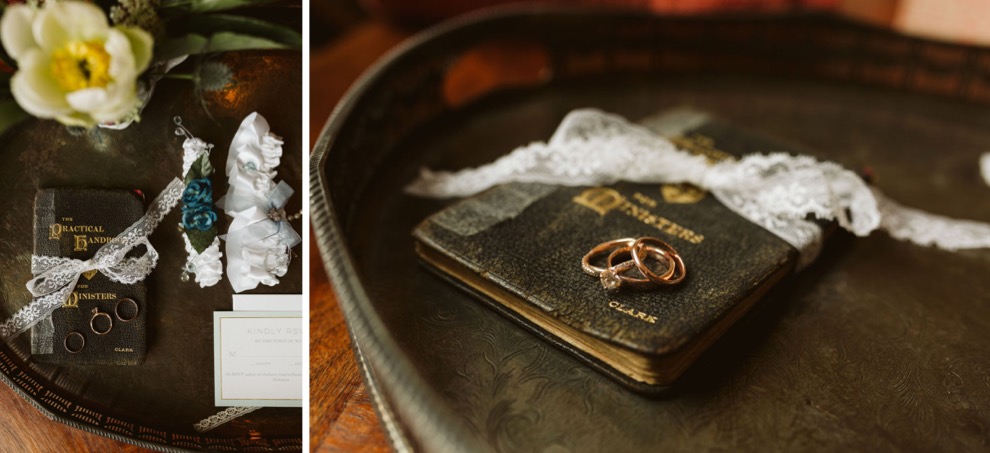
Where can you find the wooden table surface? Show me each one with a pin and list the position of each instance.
(24, 429)
(342, 416)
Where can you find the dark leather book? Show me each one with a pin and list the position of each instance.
(75, 223)
(518, 247)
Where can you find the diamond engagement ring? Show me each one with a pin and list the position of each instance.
(640, 255)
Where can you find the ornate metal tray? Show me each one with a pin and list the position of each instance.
(880, 345)
(155, 404)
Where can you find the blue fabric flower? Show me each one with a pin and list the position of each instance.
(197, 209)
(198, 217)
(198, 192)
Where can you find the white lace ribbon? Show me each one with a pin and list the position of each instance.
(777, 191)
(222, 417)
(259, 238)
(56, 277)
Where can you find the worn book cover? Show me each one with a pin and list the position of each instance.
(518, 247)
(75, 223)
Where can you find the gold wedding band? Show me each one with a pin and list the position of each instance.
(614, 274)
(676, 271)
(65, 342)
(126, 301)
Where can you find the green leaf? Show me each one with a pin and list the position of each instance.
(10, 114)
(200, 240)
(212, 23)
(202, 6)
(4, 84)
(202, 166)
(5, 57)
(193, 44)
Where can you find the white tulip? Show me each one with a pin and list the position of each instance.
(72, 65)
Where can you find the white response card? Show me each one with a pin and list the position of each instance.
(258, 358)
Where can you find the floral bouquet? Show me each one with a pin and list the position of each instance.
(86, 63)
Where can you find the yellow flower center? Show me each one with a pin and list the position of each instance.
(81, 64)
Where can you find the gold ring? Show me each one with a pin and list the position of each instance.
(65, 342)
(614, 274)
(116, 309)
(654, 252)
(675, 273)
(92, 322)
(606, 246)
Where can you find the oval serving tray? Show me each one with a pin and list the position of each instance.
(880, 345)
(155, 404)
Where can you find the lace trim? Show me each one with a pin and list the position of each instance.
(56, 277)
(922, 228)
(776, 191)
(222, 417)
(589, 148)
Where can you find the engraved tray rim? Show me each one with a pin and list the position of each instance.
(393, 382)
(16, 387)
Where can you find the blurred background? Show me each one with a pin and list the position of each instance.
(957, 20)
(347, 36)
